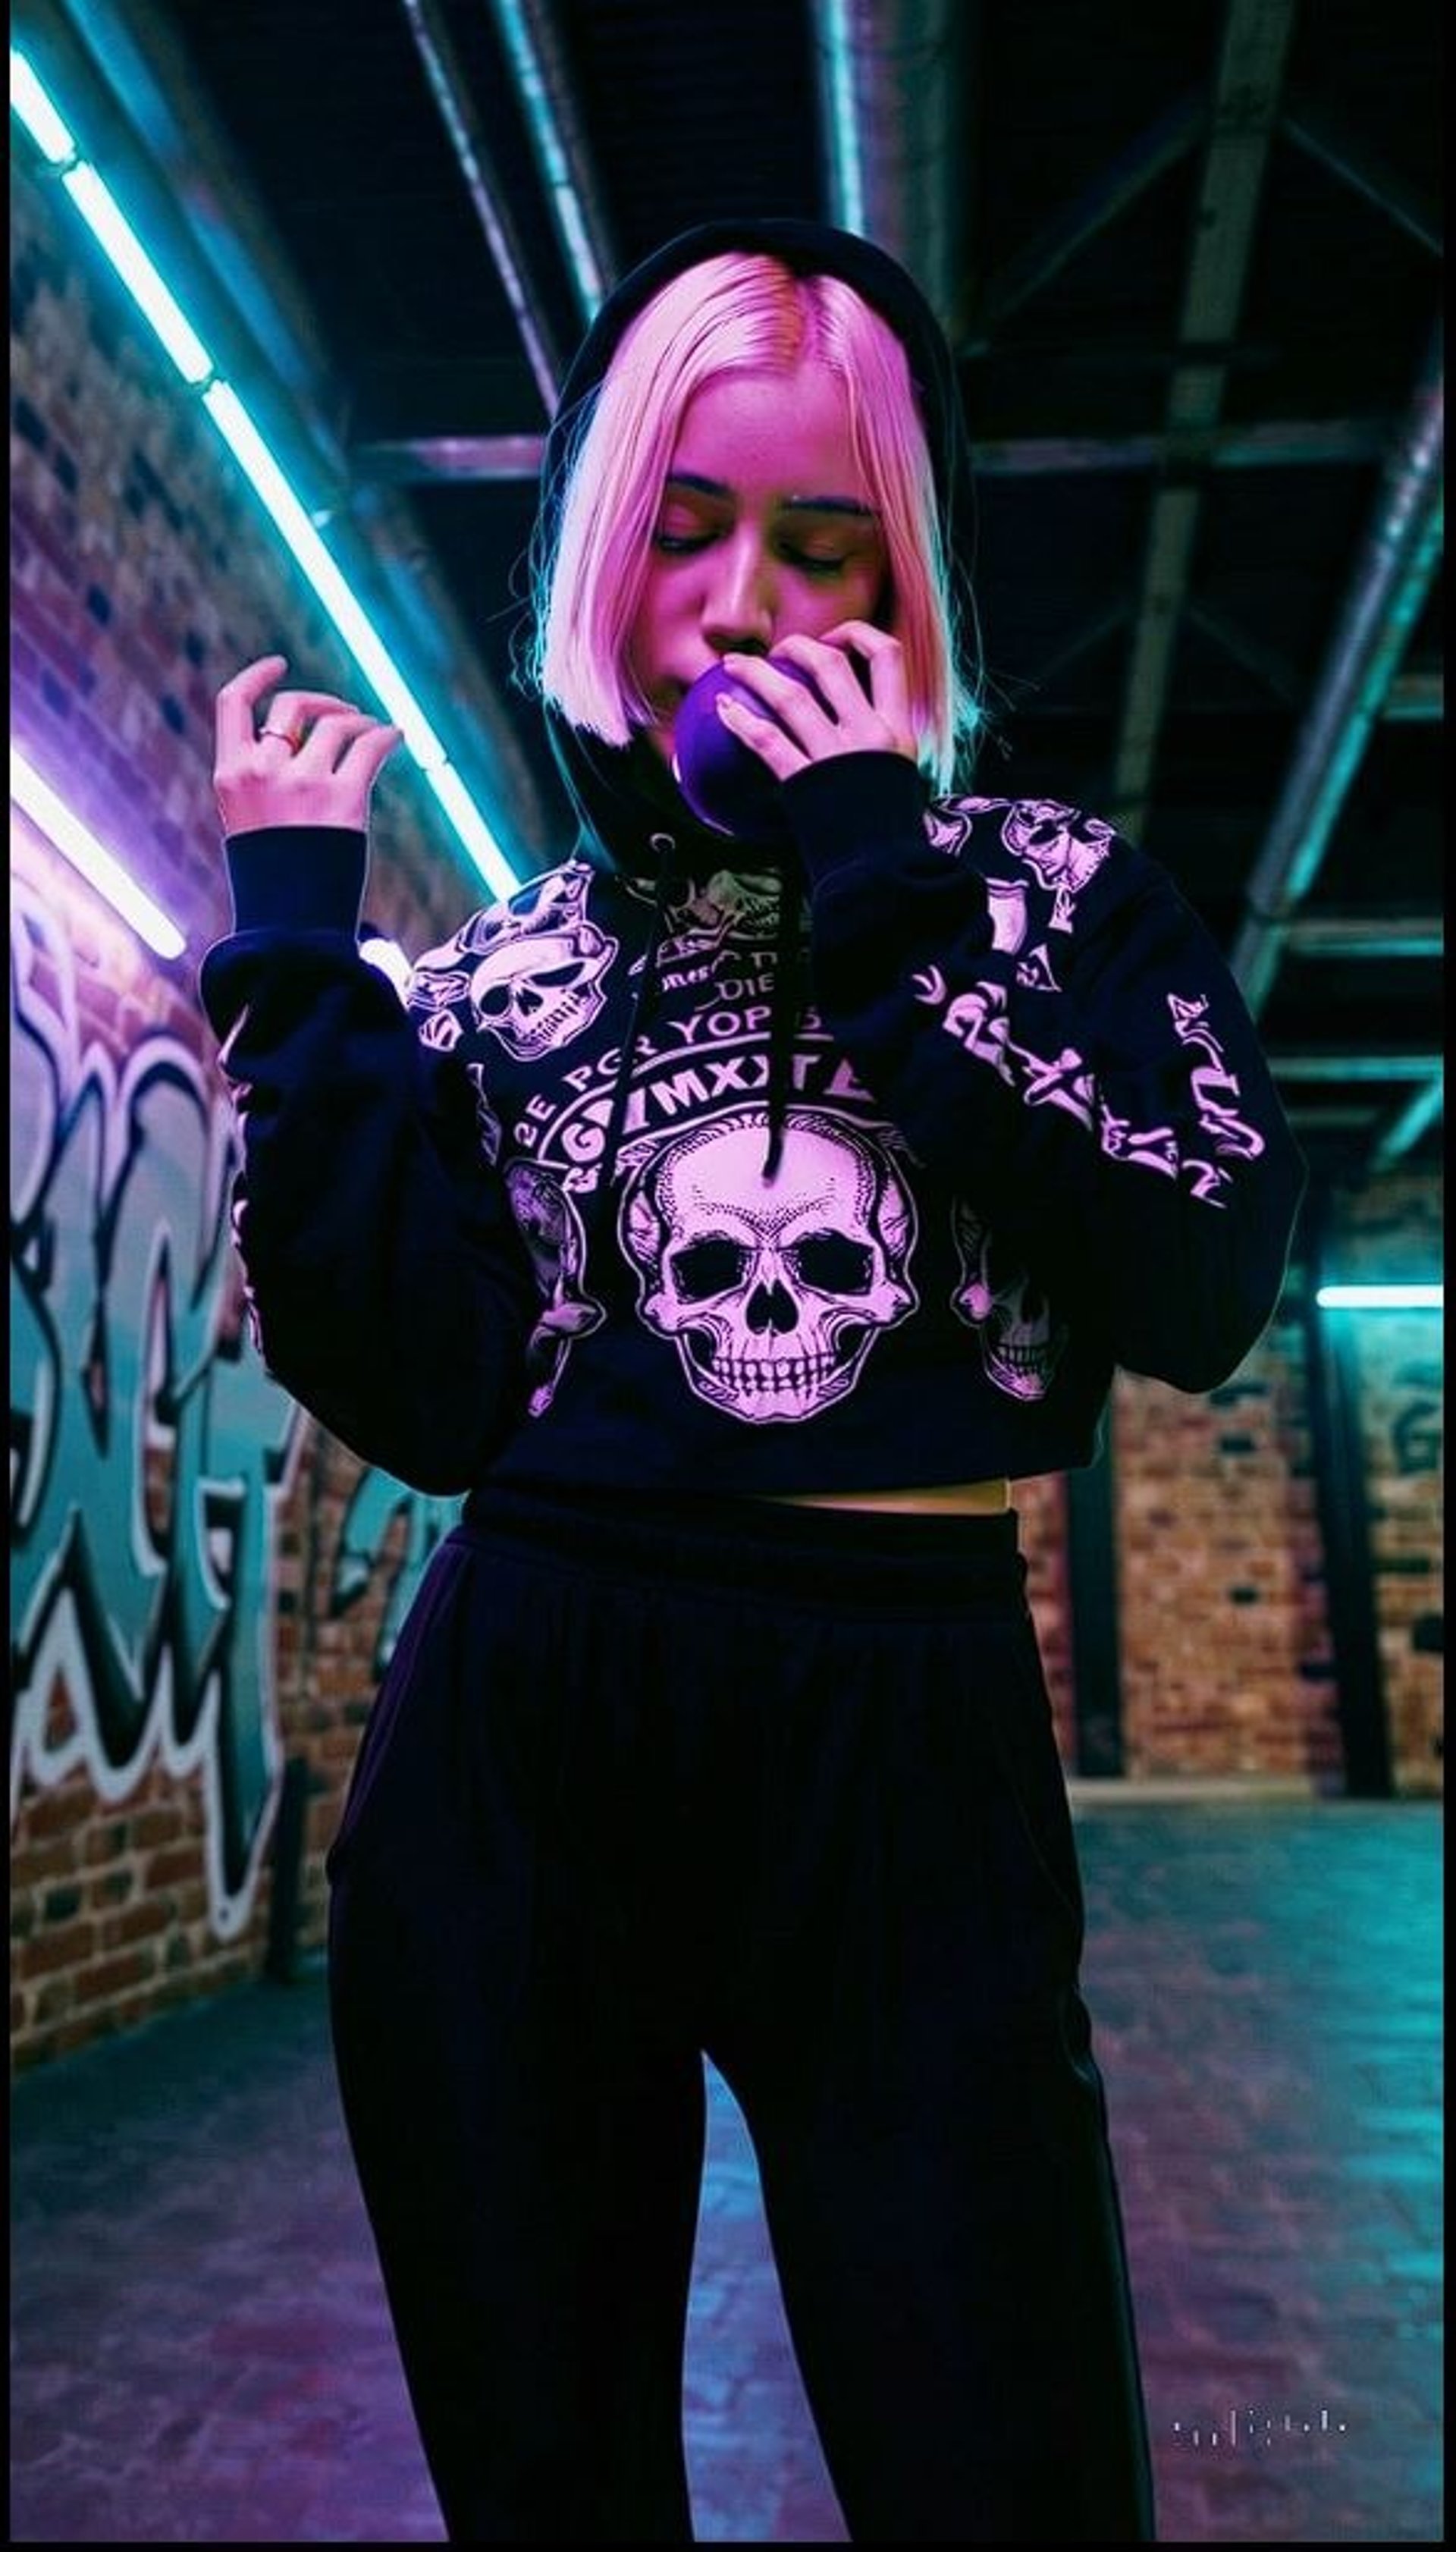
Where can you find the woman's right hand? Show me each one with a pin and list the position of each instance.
(309, 759)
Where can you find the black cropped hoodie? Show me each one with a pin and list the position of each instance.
(854, 1158)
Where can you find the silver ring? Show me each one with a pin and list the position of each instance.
(292, 741)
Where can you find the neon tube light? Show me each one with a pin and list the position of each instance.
(176, 334)
(37, 112)
(98, 866)
(1381, 1297)
(32, 103)
(351, 621)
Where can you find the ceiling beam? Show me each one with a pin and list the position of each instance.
(1274, 671)
(1332, 1116)
(1336, 441)
(1392, 578)
(1341, 442)
(1346, 1063)
(1419, 691)
(1377, 935)
(1241, 128)
(1316, 131)
(462, 460)
(1404, 1128)
(1121, 181)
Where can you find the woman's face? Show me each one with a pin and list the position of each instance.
(766, 530)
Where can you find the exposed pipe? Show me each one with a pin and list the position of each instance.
(1391, 579)
(451, 93)
(533, 47)
(893, 84)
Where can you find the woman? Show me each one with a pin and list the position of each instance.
(733, 1218)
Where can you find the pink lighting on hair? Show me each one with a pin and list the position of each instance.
(740, 312)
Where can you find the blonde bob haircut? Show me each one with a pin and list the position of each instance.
(740, 313)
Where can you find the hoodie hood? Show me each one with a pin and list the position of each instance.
(633, 820)
(622, 795)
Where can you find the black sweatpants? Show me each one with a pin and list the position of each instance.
(650, 1779)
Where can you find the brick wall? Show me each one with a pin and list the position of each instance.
(147, 1769)
(1392, 1230)
(1226, 1664)
(1041, 1509)
(142, 574)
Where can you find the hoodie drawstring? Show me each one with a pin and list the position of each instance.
(782, 1026)
(637, 1016)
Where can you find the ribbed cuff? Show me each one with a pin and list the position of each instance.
(297, 876)
(857, 807)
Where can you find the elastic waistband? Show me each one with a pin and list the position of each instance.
(857, 1559)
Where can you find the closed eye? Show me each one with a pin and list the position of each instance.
(684, 544)
(811, 565)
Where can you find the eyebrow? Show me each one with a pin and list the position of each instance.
(795, 504)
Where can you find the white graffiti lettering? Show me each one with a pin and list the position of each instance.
(128, 1365)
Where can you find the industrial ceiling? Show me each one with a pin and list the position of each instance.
(1189, 257)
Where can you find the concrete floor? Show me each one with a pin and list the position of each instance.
(200, 2351)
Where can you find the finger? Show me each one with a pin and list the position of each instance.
(237, 698)
(336, 729)
(288, 712)
(802, 710)
(884, 659)
(866, 636)
(368, 755)
(763, 736)
(835, 675)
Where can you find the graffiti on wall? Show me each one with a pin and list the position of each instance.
(149, 1448)
(369, 1520)
(1415, 1431)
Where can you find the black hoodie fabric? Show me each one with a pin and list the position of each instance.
(855, 1158)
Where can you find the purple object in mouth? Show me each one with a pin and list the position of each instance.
(726, 784)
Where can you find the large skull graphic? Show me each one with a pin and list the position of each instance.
(772, 1293)
(536, 978)
(1021, 1345)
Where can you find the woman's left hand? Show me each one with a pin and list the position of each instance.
(844, 718)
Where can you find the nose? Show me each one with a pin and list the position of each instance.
(741, 599)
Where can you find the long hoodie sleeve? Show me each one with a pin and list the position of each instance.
(1044, 1017)
(388, 1287)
